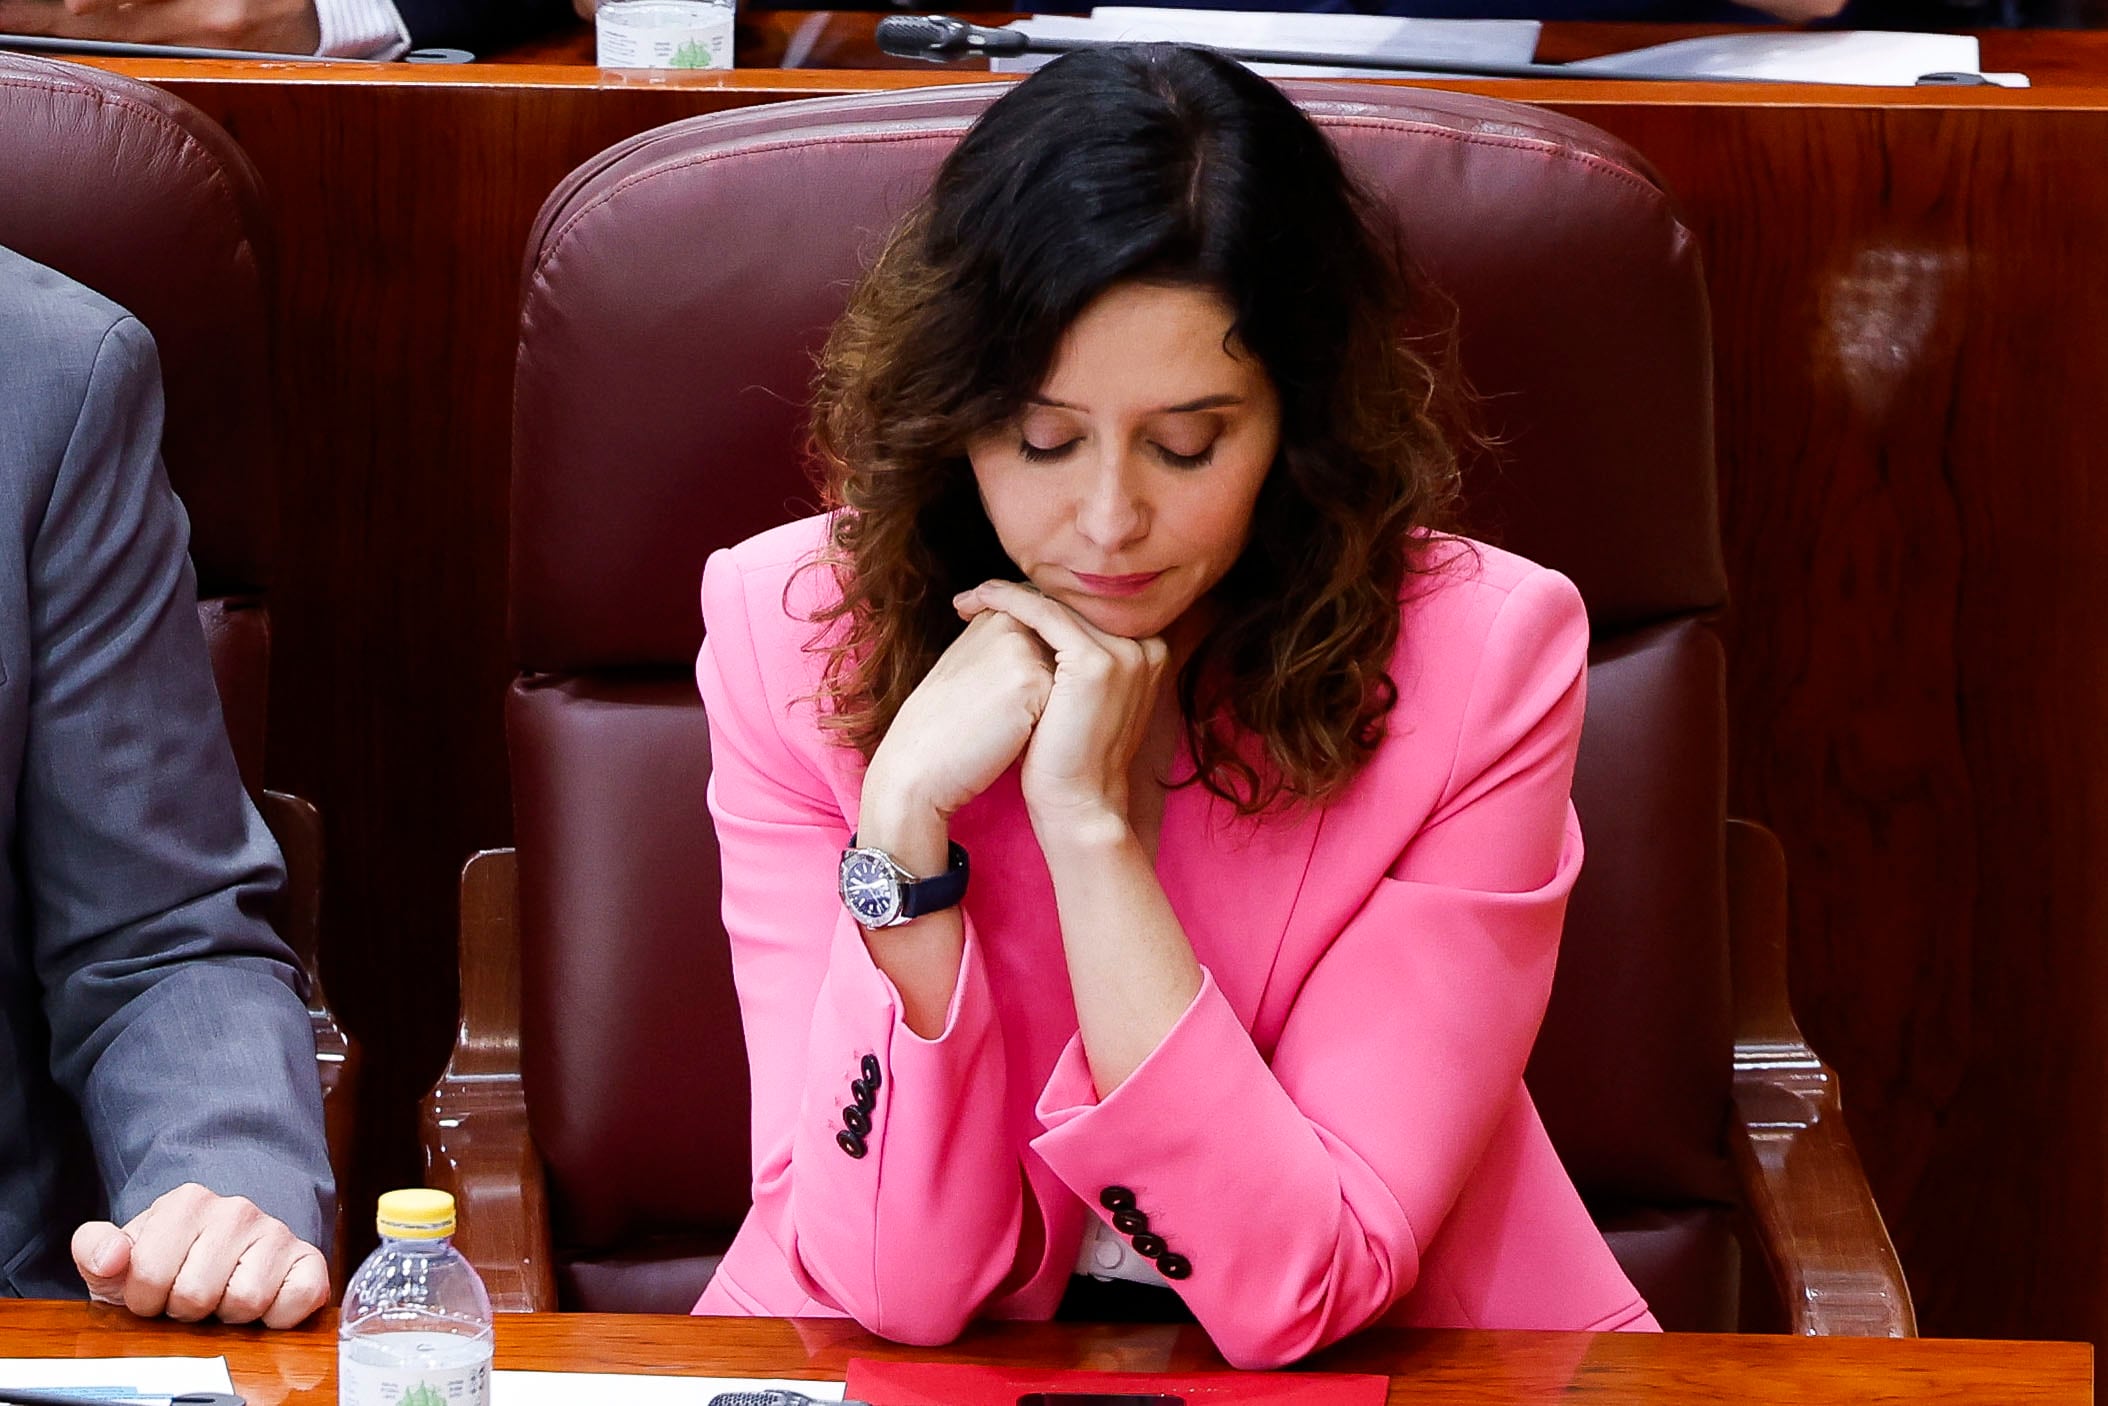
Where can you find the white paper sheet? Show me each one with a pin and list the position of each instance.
(1815, 56)
(147, 1376)
(575, 1388)
(1462, 41)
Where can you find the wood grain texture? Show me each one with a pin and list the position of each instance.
(1802, 1180)
(1909, 297)
(1428, 1369)
(1907, 309)
(473, 1124)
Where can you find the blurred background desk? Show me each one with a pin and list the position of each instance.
(298, 1368)
(1910, 298)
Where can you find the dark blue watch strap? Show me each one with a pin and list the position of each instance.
(939, 891)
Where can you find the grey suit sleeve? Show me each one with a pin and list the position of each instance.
(175, 1012)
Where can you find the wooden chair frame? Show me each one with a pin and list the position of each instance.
(297, 826)
(1811, 1211)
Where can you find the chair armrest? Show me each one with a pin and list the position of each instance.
(474, 1121)
(1816, 1222)
(297, 826)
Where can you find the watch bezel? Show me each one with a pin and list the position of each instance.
(897, 899)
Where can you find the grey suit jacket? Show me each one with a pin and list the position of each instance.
(152, 1030)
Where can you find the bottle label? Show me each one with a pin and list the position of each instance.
(400, 1384)
(666, 34)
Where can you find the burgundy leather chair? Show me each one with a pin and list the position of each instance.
(594, 1118)
(143, 198)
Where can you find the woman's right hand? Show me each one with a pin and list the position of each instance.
(965, 723)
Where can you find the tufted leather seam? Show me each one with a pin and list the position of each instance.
(216, 169)
(554, 247)
(1592, 161)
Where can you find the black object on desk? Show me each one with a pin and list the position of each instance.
(944, 38)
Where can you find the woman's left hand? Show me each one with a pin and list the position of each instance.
(1104, 696)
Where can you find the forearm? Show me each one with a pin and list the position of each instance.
(212, 1080)
(920, 957)
(1131, 966)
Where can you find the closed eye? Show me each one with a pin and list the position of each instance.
(1185, 461)
(1043, 454)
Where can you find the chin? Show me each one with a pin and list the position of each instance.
(1129, 619)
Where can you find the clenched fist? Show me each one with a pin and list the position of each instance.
(194, 1255)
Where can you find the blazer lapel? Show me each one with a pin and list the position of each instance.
(1234, 881)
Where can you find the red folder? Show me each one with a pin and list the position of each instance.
(957, 1384)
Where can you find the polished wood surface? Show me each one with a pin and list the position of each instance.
(297, 826)
(473, 1125)
(1427, 1369)
(789, 52)
(1833, 1266)
(1908, 292)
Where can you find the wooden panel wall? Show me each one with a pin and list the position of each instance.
(1912, 309)
(1912, 328)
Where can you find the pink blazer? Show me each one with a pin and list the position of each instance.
(1336, 1132)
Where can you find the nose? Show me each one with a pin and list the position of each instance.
(1112, 511)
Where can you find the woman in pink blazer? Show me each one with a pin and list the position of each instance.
(1145, 835)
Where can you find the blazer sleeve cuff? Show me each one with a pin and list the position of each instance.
(934, 1149)
(1070, 1094)
(1232, 1179)
(860, 1013)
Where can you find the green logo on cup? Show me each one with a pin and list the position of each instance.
(692, 54)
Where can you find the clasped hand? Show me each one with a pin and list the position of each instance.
(1029, 677)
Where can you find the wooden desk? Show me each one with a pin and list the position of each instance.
(1429, 1369)
(1909, 294)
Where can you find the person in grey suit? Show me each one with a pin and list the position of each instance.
(160, 1117)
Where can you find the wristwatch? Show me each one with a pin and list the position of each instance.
(880, 894)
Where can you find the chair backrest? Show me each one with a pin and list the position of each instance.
(143, 198)
(675, 291)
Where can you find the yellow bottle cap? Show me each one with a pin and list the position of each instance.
(417, 1214)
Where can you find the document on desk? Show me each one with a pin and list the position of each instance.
(117, 1376)
(1864, 57)
(571, 1388)
(1388, 36)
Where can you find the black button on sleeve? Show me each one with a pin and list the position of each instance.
(861, 1092)
(1130, 1221)
(1116, 1198)
(850, 1143)
(1149, 1246)
(856, 1120)
(1173, 1265)
(871, 1075)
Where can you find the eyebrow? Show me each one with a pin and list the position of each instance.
(1206, 402)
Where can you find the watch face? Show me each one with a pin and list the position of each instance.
(870, 889)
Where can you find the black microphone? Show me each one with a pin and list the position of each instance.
(943, 38)
(940, 38)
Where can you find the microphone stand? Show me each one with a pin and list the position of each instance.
(945, 39)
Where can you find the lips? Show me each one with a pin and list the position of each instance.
(1131, 585)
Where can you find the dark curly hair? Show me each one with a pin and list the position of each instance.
(1168, 165)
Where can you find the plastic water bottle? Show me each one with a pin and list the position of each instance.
(416, 1327)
